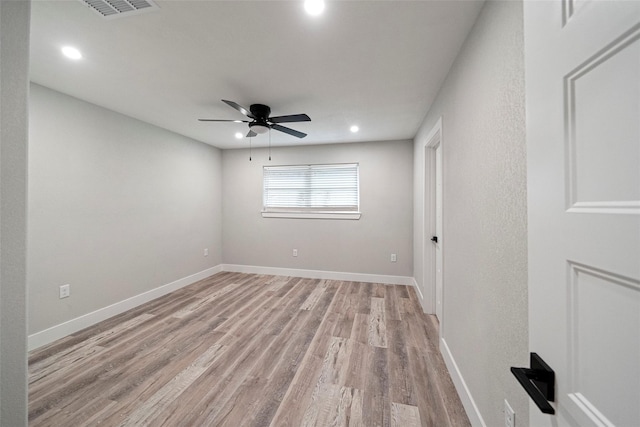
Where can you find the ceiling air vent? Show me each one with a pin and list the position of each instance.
(117, 8)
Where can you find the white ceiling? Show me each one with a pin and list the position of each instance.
(377, 64)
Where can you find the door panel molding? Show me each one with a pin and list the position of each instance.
(589, 288)
(587, 180)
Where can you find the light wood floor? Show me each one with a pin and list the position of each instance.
(252, 350)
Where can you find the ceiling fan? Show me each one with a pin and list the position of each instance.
(261, 122)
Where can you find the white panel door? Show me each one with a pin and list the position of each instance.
(438, 244)
(582, 62)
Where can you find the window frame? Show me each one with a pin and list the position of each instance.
(310, 213)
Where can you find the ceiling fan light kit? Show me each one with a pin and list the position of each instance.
(259, 128)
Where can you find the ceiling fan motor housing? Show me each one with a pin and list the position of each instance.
(261, 112)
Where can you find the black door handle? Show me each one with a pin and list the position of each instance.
(539, 382)
(434, 239)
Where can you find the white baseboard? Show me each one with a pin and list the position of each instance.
(74, 325)
(461, 386)
(418, 291)
(319, 274)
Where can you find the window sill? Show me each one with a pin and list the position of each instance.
(313, 215)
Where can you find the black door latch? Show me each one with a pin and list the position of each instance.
(434, 239)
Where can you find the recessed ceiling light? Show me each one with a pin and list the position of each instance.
(354, 128)
(71, 52)
(238, 135)
(314, 7)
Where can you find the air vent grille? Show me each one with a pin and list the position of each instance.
(115, 8)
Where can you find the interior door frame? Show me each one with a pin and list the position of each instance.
(433, 140)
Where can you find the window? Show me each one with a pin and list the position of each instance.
(311, 191)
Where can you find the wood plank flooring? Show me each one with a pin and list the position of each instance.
(252, 350)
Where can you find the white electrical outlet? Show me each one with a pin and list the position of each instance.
(509, 415)
(295, 252)
(206, 251)
(65, 291)
(394, 258)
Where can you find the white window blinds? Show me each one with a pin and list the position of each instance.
(311, 188)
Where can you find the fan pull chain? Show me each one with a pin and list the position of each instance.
(250, 148)
(269, 144)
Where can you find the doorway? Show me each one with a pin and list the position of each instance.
(433, 221)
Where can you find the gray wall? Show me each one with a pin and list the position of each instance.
(117, 207)
(355, 246)
(14, 70)
(485, 229)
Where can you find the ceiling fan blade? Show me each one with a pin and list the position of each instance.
(290, 118)
(224, 120)
(289, 131)
(251, 134)
(239, 108)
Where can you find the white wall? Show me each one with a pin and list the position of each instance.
(117, 207)
(485, 232)
(355, 246)
(14, 70)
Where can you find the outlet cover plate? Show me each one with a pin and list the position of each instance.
(509, 415)
(65, 291)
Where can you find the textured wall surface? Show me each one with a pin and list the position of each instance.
(14, 85)
(485, 232)
(117, 207)
(355, 246)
